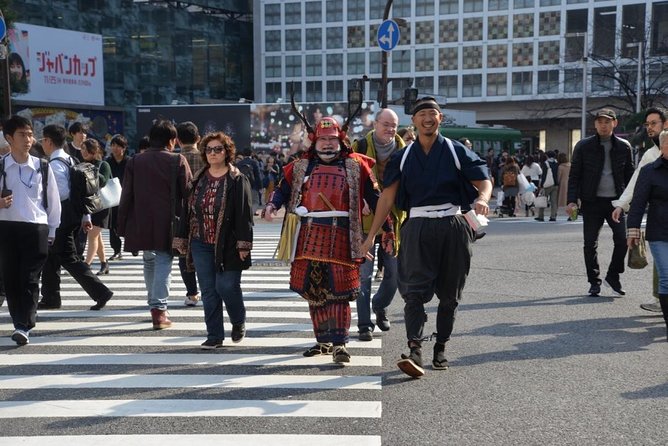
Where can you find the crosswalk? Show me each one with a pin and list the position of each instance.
(84, 367)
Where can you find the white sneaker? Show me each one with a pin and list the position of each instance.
(191, 301)
(654, 306)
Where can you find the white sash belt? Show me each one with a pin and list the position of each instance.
(435, 211)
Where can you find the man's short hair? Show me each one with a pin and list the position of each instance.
(56, 133)
(14, 123)
(161, 133)
(658, 111)
(187, 132)
(119, 140)
(75, 128)
(246, 151)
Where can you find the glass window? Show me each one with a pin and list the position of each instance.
(425, 84)
(424, 59)
(522, 25)
(573, 81)
(313, 91)
(549, 23)
(447, 86)
(523, 54)
(356, 36)
(293, 66)
(398, 86)
(472, 57)
(449, 7)
(334, 91)
(334, 64)
(471, 85)
(334, 37)
(497, 56)
(497, 5)
(293, 40)
(550, 2)
(497, 27)
(376, 9)
(497, 84)
(272, 66)
(401, 61)
(522, 82)
(272, 14)
(604, 31)
(603, 79)
(356, 9)
(313, 12)
(272, 91)
(293, 13)
(659, 29)
(448, 31)
(272, 41)
(448, 58)
(401, 8)
(356, 63)
(548, 81)
(424, 32)
(473, 6)
(314, 64)
(519, 4)
(374, 62)
(313, 38)
(334, 11)
(472, 28)
(633, 28)
(424, 7)
(548, 52)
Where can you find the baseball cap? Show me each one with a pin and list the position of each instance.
(606, 113)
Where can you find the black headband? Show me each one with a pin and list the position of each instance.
(422, 105)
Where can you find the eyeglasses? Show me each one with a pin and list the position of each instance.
(652, 124)
(217, 149)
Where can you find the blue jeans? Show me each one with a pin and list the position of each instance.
(660, 253)
(217, 287)
(157, 277)
(383, 297)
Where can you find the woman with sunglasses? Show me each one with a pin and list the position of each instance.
(217, 236)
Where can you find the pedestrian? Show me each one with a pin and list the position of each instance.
(92, 153)
(325, 190)
(379, 144)
(63, 252)
(218, 222)
(151, 202)
(466, 142)
(29, 216)
(549, 186)
(271, 176)
(509, 185)
(655, 122)
(188, 139)
(532, 171)
(117, 160)
(601, 167)
(4, 150)
(652, 189)
(250, 167)
(407, 134)
(562, 179)
(77, 132)
(435, 254)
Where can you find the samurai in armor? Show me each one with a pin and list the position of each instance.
(324, 193)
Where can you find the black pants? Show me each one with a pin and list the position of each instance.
(23, 251)
(63, 253)
(435, 257)
(114, 238)
(594, 213)
(189, 278)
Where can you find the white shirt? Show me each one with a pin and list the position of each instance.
(25, 182)
(61, 172)
(624, 201)
(534, 171)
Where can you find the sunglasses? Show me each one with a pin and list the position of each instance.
(216, 149)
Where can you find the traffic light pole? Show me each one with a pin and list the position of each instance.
(383, 62)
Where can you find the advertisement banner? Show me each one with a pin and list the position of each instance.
(50, 65)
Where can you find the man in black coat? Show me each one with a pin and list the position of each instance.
(601, 167)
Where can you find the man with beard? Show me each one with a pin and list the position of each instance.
(326, 190)
(428, 181)
(655, 122)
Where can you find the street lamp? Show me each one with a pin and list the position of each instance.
(638, 89)
(585, 55)
(383, 63)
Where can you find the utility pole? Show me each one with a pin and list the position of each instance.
(383, 61)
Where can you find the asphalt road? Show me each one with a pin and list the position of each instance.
(533, 360)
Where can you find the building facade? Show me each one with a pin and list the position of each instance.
(515, 62)
(159, 52)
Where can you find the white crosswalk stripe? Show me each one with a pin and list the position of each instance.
(83, 364)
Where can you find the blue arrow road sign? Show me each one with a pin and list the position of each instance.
(3, 28)
(388, 35)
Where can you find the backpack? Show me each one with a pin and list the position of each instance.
(43, 169)
(247, 169)
(84, 184)
(509, 179)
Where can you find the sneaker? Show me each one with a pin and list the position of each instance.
(211, 344)
(411, 364)
(553, 219)
(365, 336)
(654, 306)
(439, 362)
(191, 301)
(340, 354)
(21, 337)
(381, 320)
(320, 348)
(594, 290)
(616, 287)
(539, 219)
(238, 332)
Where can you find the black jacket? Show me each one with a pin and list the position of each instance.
(652, 188)
(587, 166)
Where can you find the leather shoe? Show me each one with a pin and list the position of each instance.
(101, 303)
(594, 289)
(616, 287)
(381, 320)
(365, 336)
(42, 305)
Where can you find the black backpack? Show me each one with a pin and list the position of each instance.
(43, 169)
(246, 168)
(84, 187)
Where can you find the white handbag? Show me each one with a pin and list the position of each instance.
(540, 201)
(110, 194)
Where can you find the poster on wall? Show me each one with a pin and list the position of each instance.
(50, 65)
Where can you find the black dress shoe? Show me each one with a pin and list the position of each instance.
(616, 287)
(594, 289)
(104, 268)
(238, 332)
(101, 303)
(48, 306)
